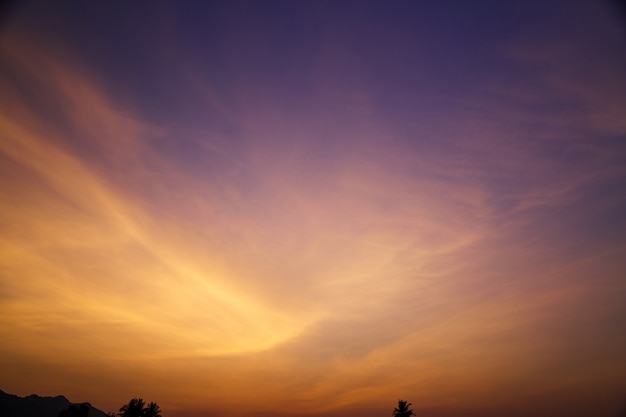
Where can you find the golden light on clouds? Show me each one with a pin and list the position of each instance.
(97, 263)
(235, 244)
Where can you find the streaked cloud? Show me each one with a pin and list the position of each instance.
(326, 248)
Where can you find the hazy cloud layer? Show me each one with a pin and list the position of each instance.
(291, 218)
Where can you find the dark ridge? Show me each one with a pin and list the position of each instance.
(36, 406)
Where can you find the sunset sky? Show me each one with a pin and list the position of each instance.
(315, 208)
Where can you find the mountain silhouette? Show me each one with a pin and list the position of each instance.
(36, 406)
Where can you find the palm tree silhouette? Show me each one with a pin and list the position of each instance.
(133, 409)
(153, 410)
(403, 409)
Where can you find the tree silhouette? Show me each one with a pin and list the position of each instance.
(403, 409)
(137, 408)
(134, 408)
(153, 410)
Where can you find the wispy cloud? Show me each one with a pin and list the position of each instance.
(321, 249)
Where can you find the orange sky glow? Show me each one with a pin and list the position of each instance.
(241, 222)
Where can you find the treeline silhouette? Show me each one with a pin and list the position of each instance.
(137, 407)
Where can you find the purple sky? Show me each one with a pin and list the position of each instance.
(315, 207)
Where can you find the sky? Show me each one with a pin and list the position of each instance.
(315, 208)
